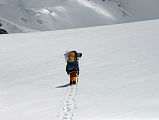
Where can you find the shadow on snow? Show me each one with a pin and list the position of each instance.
(63, 86)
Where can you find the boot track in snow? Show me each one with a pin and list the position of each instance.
(69, 104)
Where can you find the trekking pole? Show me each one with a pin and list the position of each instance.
(77, 78)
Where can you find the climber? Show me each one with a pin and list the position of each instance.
(72, 67)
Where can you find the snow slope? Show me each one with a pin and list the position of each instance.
(32, 3)
(58, 14)
(118, 74)
(142, 9)
(34, 15)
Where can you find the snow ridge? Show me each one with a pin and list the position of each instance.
(12, 27)
(69, 104)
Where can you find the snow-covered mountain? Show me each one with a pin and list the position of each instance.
(141, 9)
(34, 15)
(62, 14)
(119, 73)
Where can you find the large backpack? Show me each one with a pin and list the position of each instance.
(72, 63)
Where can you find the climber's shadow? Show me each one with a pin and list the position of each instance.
(63, 86)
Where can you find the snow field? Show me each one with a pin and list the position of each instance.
(118, 73)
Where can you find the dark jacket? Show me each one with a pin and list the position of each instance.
(72, 62)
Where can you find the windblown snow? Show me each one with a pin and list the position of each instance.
(118, 74)
(19, 16)
(58, 14)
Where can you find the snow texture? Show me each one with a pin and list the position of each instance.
(69, 104)
(119, 74)
(34, 15)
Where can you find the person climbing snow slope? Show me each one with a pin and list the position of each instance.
(72, 67)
